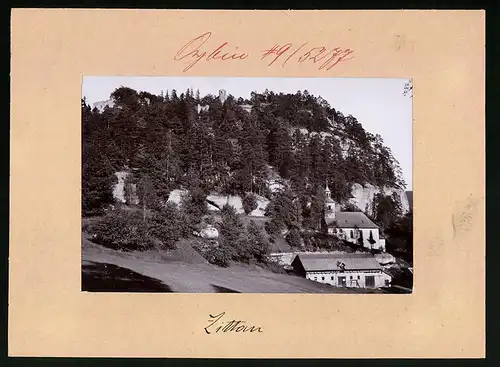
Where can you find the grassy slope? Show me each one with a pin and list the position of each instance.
(192, 274)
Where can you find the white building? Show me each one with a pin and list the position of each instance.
(342, 270)
(353, 227)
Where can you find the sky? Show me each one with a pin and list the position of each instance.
(377, 103)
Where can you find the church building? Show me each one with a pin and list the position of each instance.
(353, 227)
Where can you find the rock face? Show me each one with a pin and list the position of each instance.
(119, 189)
(209, 232)
(385, 258)
(102, 104)
(362, 196)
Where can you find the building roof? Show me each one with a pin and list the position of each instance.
(351, 220)
(329, 262)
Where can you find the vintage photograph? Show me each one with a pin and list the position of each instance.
(247, 185)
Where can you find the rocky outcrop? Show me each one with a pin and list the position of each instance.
(209, 232)
(119, 192)
(101, 105)
(362, 196)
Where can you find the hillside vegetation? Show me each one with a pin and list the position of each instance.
(167, 142)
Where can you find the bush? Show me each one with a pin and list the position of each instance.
(258, 243)
(121, 229)
(131, 230)
(166, 227)
(293, 238)
(246, 245)
(249, 203)
(218, 256)
(274, 226)
(194, 206)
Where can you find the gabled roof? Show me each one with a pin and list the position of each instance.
(351, 220)
(326, 262)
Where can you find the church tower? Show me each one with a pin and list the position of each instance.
(329, 205)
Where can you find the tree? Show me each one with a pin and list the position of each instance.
(386, 209)
(249, 203)
(258, 243)
(129, 187)
(293, 238)
(147, 195)
(194, 206)
(400, 236)
(371, 240)
(314, 214)
(360, 238)
(166, 226)
(408, 89)
(121, 229)
(232, 230)
(284, 211)
(97, 182)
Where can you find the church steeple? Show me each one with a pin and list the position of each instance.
(328, 193)
(329, 204)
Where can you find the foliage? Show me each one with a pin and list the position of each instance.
(349, 207)
(360, 238)
(258, 244)
(219, 255)
(239, 243)
(227, 149)
(122, 229)
(387, 209)
(194, 206)
(285, 212)
(293, 238)
(167, 226)
(400, 236)
(371, 240)
(132, 230)
(249, 203)
(165, 143)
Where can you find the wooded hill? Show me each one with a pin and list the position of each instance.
(168, 143)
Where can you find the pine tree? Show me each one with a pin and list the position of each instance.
(147, 196)
(371, 240)
(259, 246)
(232, 231)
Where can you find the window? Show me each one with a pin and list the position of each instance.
(352, 234)
(329, 207)
(387, 282)
(351, 276)
(359, 277)
(315, 278)
(322, 278)
(332, 277)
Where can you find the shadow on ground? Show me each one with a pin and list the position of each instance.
(102, 277)
(219, 289)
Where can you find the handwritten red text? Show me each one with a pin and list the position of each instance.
(324, 57)
(192, 51)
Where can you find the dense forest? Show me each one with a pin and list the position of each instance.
(168, 142)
